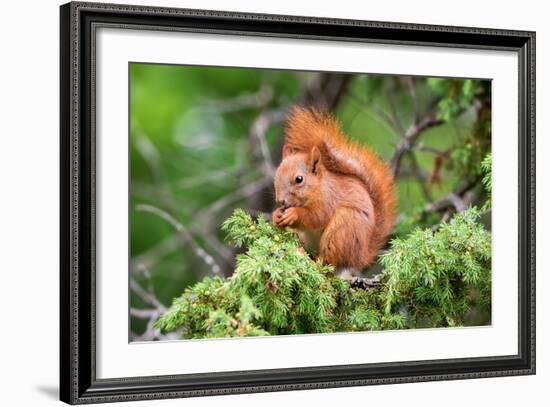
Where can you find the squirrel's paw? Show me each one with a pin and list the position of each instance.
(277, 216)
(289, 217)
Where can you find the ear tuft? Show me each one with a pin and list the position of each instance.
(287, 150)
(314, 159)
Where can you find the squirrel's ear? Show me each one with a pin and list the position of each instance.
(315, 159)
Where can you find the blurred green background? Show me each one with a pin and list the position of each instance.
(205, 140)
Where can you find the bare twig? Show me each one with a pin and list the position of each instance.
(152, 256)
(258, 131)
(457, 200)
(145, 295)
(324, 90)
(334, 87)
(429, 149)
(366, 283)
(211, 240)
(199, 226)
(186, 236)
(456, 204)
(409, 139)
(150, 314)
(144, 313)
(408, 172)
(449, 200)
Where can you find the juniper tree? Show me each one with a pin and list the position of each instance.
(430, 278)
(487, 181)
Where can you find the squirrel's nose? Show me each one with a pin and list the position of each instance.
(281, 202)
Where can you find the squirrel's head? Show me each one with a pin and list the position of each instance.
(298, 178)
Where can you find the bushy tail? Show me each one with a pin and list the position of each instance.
(307, 128)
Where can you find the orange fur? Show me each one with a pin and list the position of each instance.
(345, 206)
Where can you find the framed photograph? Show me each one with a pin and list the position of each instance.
(254, 203)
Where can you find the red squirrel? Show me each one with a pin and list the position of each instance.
(338, 195)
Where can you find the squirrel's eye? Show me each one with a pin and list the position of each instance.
(299, 179)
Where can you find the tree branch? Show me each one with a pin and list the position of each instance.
(186, 236)
(366, 283)
(455, 201)
(410, 138)
(258, 130)
(150, 314)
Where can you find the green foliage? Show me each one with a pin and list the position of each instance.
(193, 157)
(293, 293)
(456, 98)
(439, 276)
(209, 310)
(430, 278)
(416, 218)
(456, 95)
(487, 181)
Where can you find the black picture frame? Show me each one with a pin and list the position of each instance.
(78, 382)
